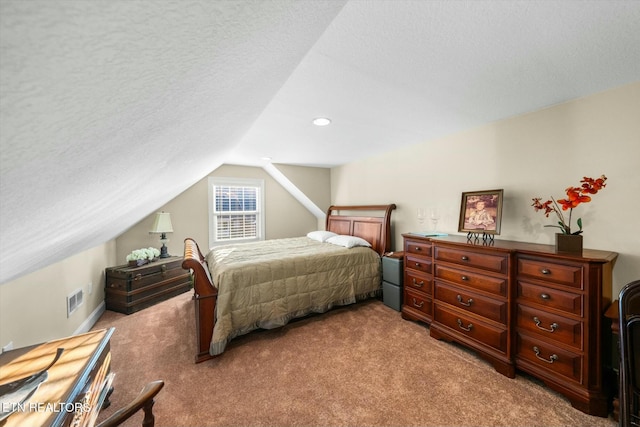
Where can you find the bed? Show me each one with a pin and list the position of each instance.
(242, 287)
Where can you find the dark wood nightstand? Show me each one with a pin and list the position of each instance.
(130, 289)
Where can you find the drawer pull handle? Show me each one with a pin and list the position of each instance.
(545, 271)
(465, 328)
(418, 248)
(418, 284)
(415, 303)
(554, 325)
(465, 258)
(468, 303)
(551, 358)
(545, 296)
(417, 264)
(163, 268)
(465, 278)
(138, 277)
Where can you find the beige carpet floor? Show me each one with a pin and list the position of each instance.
(361, 365)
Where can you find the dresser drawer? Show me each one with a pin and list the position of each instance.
(568, 302)
(549, 326)
(417, 301)
(416, 280)
(563, 274)
(417, 247)
(471, 327)
(418, 263)
(469, 301)
(494, 285)
(490, 262)
(549, 357)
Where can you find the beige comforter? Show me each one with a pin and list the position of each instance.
(268, 283)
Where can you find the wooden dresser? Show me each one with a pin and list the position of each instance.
(560, 306)
(523, 307)
(418, 280)
(73, 389)
(472, 294)
(129, 289)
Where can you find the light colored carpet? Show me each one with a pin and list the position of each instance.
(361, 365)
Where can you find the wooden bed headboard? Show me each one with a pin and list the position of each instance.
(374, 229)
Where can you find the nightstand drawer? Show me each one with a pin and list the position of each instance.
(494, 285)
(550, 272)
(551, 298)
(488, 262)
(492, 309)
(392, 270)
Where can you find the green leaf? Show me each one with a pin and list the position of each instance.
(579, 222)
(557, 226)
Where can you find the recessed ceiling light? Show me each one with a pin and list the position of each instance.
(321, 121)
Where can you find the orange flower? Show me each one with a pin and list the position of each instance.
(575, 196)
(592, 186)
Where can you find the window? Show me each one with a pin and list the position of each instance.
(236, 210)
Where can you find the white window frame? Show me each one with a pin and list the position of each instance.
(260, 208)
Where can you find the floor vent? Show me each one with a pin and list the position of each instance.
(74, 301)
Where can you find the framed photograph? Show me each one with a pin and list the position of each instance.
(481, 212)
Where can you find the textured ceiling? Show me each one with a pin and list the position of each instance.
(109, 109)
(392, 73)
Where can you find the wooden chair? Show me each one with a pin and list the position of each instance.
(143, 401)
(629, 306)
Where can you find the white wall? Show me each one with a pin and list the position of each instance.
(537, 154)
(33, 307)
(285, 216)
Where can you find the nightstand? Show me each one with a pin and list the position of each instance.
(392, 280)
(130, 289)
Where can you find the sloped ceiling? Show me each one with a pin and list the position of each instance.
(109, 109)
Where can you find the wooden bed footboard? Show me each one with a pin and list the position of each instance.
(205, 297)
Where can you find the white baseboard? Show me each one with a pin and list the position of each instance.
(91, 320)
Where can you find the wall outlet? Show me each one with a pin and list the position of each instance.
(90, 288)
(8, 347)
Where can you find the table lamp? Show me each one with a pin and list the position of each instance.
(162, 226)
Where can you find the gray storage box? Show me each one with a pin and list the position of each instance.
(392, 295)
(392, 268)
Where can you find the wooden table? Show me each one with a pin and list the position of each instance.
(76, 385)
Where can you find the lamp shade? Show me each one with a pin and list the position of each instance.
(162, 223)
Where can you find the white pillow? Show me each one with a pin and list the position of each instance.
(320, 236)
(348, 241)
